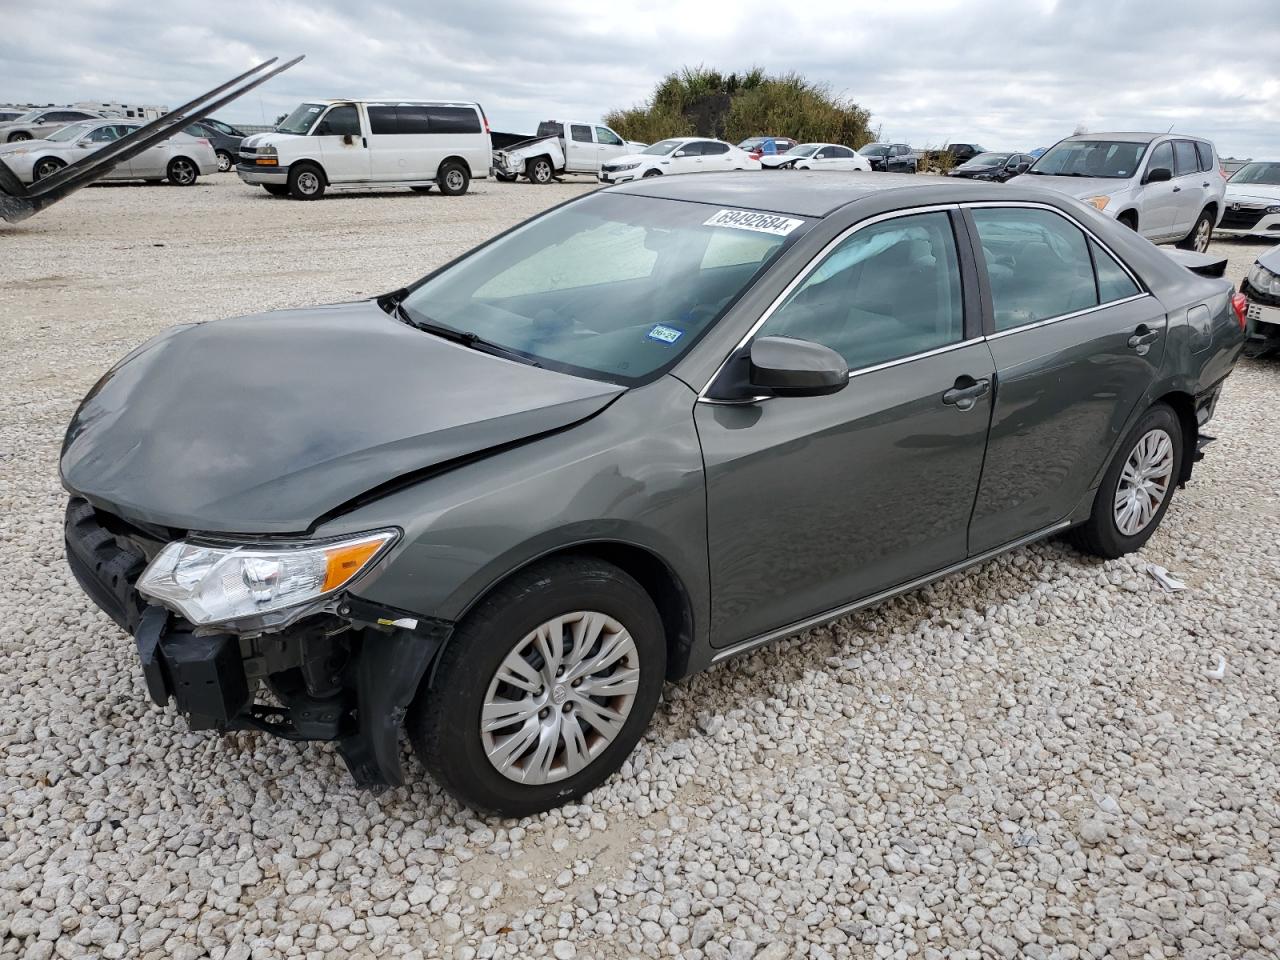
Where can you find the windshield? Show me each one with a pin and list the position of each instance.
(1268, 173)
(751, 142)
(874, 150)
(988, 160)
(302, 119)
(662, 147)
(612, 287)
(803, 149)
(1109, 159)
(73, 132)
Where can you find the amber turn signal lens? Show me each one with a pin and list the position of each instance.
(343, 563)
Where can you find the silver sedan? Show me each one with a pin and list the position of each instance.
(180, 159)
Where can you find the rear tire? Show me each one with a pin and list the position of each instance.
(225, 161)
(306, 182)
(1132, 481)
(539, 170)
(182, 172)
(45, 167)
(19, 136)
(1200, 235)
(546, 607)
(452, 178)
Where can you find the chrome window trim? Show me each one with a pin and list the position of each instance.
(1065, 316)
(803, 275)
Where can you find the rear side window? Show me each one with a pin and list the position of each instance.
(382, 121)
(888, 291)
(1113, 282)
(1184, 153)
(1038, 265)
(1205, 153)
(453, 120)
(710, 149)
(582, 134)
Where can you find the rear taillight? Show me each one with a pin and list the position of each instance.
(204, 140)
(1240, 304)
(1222, 170)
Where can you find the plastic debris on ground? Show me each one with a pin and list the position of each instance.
(1165, 578)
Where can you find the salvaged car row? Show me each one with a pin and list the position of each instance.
(712, 388)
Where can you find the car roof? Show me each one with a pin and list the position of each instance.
(390, 101)
(816, 194)
(1131, 137)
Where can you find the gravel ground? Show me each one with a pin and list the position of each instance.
(1027, 759)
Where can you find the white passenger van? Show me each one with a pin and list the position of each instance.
(369, 144)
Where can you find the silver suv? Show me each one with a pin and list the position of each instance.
(1168, 187)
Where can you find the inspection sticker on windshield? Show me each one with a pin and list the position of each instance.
(665, 334)
(759, 222)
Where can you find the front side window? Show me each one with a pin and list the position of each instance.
(1110, 159)
(73, 132)
(887, 291)
(580, 133)
(1184, 155)
(804, 150)
(612, 286)
(874, 150)
(1161, 157)
(606, 136)
(1038, 265)
(106, 134)
(340, 121)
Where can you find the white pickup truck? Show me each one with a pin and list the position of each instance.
(551, 152)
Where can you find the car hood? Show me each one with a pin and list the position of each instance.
(271, 136)
(31, 144)
(1271, 259)
(1079, 187)
(634, 158)
(263, 424)
(1253, 193)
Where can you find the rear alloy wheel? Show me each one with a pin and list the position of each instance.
(182, 172)
(543, 690)
(19, 136)
(452, 178)
(46, 167)
(1200, 235)
(1136, 490)
(306, 183)
(225, 161)
(539, 170)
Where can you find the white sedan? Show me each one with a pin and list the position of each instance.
(181, 159)
(678, 155)
(817, 156)
(1253, 202)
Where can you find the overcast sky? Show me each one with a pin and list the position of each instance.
(1006, 73)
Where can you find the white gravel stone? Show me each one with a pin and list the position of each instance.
(1022, 760)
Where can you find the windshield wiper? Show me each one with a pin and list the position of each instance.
(464, 337)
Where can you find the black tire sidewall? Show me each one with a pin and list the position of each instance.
(231, 161)
(297, 171)
(1189, 241)
(535, 164)
(173, 164)
(55, 166)
(442, 178)
(1105, 534)
(445, 722)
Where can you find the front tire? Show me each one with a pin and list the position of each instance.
(182, 172)
(651, 173)
(1200, 235)
(20, 136)
(452, 178)
(45, 167)
(1136, 490)
(544, 689)
(306, 182)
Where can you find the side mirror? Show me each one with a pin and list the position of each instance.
(796, 368)
(681, 153)
(1158, 175)
(348, 139)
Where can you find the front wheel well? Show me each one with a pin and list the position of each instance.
(297, 164)
(1129, 218)
(455, 159)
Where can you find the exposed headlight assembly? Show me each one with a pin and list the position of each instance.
(1264, 281)
(626, 166)
(266, 584)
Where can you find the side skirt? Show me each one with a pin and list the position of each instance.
(823, 618)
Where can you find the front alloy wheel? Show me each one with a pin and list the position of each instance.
(543, 689)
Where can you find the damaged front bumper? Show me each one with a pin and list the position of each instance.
(347, 676)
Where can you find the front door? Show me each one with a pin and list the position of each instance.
(1076, 345)
(342, 143)
(100, 137)
(1159, 204)
(816, 502)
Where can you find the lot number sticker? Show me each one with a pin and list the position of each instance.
(665, 334)
(758, 222)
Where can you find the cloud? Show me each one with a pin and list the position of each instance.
(1017, 75)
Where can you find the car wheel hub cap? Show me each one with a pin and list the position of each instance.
(454, 180)
(307, 183)
(560, 697)
(1202, 236)
(1144, 482)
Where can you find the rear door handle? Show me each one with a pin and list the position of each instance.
(964, 395)
(1142, 339)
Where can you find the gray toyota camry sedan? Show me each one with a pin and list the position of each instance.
(647, 430)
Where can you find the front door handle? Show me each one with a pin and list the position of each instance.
(1143, 338)
(964, 395)
(1177, 189)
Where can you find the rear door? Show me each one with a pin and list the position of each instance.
(99, 138)
(580, 149)
(716, 156)
(687, 158)
(1076, 342)
(816, 502)
(343, 144)
(1189, 185)
(397, 142)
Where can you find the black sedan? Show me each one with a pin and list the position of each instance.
(224, 137)
(993, 166)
